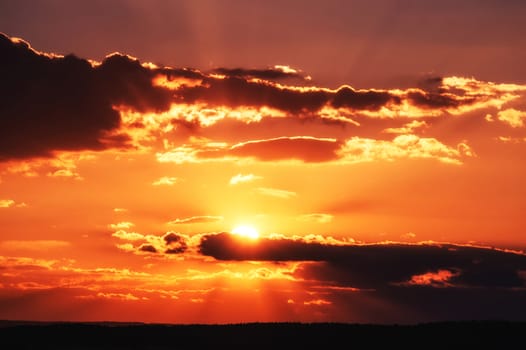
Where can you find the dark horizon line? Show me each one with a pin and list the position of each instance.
(8, 323)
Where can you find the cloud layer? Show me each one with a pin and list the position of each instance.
(380, 265)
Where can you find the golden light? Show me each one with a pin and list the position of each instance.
(246, 232)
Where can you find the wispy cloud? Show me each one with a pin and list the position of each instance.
(240, 178)
(196, 220)
(274, 192)
(316, 217)
(166, 181)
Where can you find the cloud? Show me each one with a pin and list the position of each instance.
(165, 181)
(317, 302)
(6, 203)
(147, 248)
(379, 265)
(273, 192)
(240, 178)
(362, 99)
(274, 73)
(301, 148)
(439, 278)
(305, 148)
(196, 220)
(170, 243)
(175, 243)
(407, 128)
(121, 225)
(128, 236)
(358, 149)
(53, 103)
(320, 150)
(512, 117)
(10, 203)
(316, 217)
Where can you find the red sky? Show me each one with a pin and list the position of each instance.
(187, 162)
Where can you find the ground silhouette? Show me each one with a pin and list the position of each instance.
(107, 335)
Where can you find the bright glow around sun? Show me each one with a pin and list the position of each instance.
(246, 231)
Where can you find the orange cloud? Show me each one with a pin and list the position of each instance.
(316, 217)
(196, 220)
(166, 181)
(273, 192)
(358, 149)
(240, 178)
(512, 117)
(6, 203)
(317, 302)
(437, 279)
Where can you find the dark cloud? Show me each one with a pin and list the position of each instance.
(377, 265)
(267, 74)
(362, 99)
(236, 91)
(175, 244)
(306, 149)
(147, 248)
(434, 100)
(50, 103)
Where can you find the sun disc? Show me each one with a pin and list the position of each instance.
(246, 231)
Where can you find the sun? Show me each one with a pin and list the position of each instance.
(246, 231)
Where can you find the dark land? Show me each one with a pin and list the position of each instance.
(109, 335)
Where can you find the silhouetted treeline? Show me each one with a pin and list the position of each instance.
(29, 335)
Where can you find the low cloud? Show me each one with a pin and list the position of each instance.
(171, 243)
(308, 149)
(379, 265)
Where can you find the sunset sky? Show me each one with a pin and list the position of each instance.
(203, 161)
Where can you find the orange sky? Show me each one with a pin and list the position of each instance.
(121, 182)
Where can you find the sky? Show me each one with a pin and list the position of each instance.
(224, 162)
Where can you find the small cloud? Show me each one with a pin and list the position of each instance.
(513, 117)
(438, 278)
(316, 217)
(121, 225)
(408, 128)
(240, 178)
(147, 248)
(273, 192)
(290, 301)
(120, 210)
(317, 302)
(128, 236)
(408, 235)
(196, 220)
(65, 173)
(6, 203)
(166, 181)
